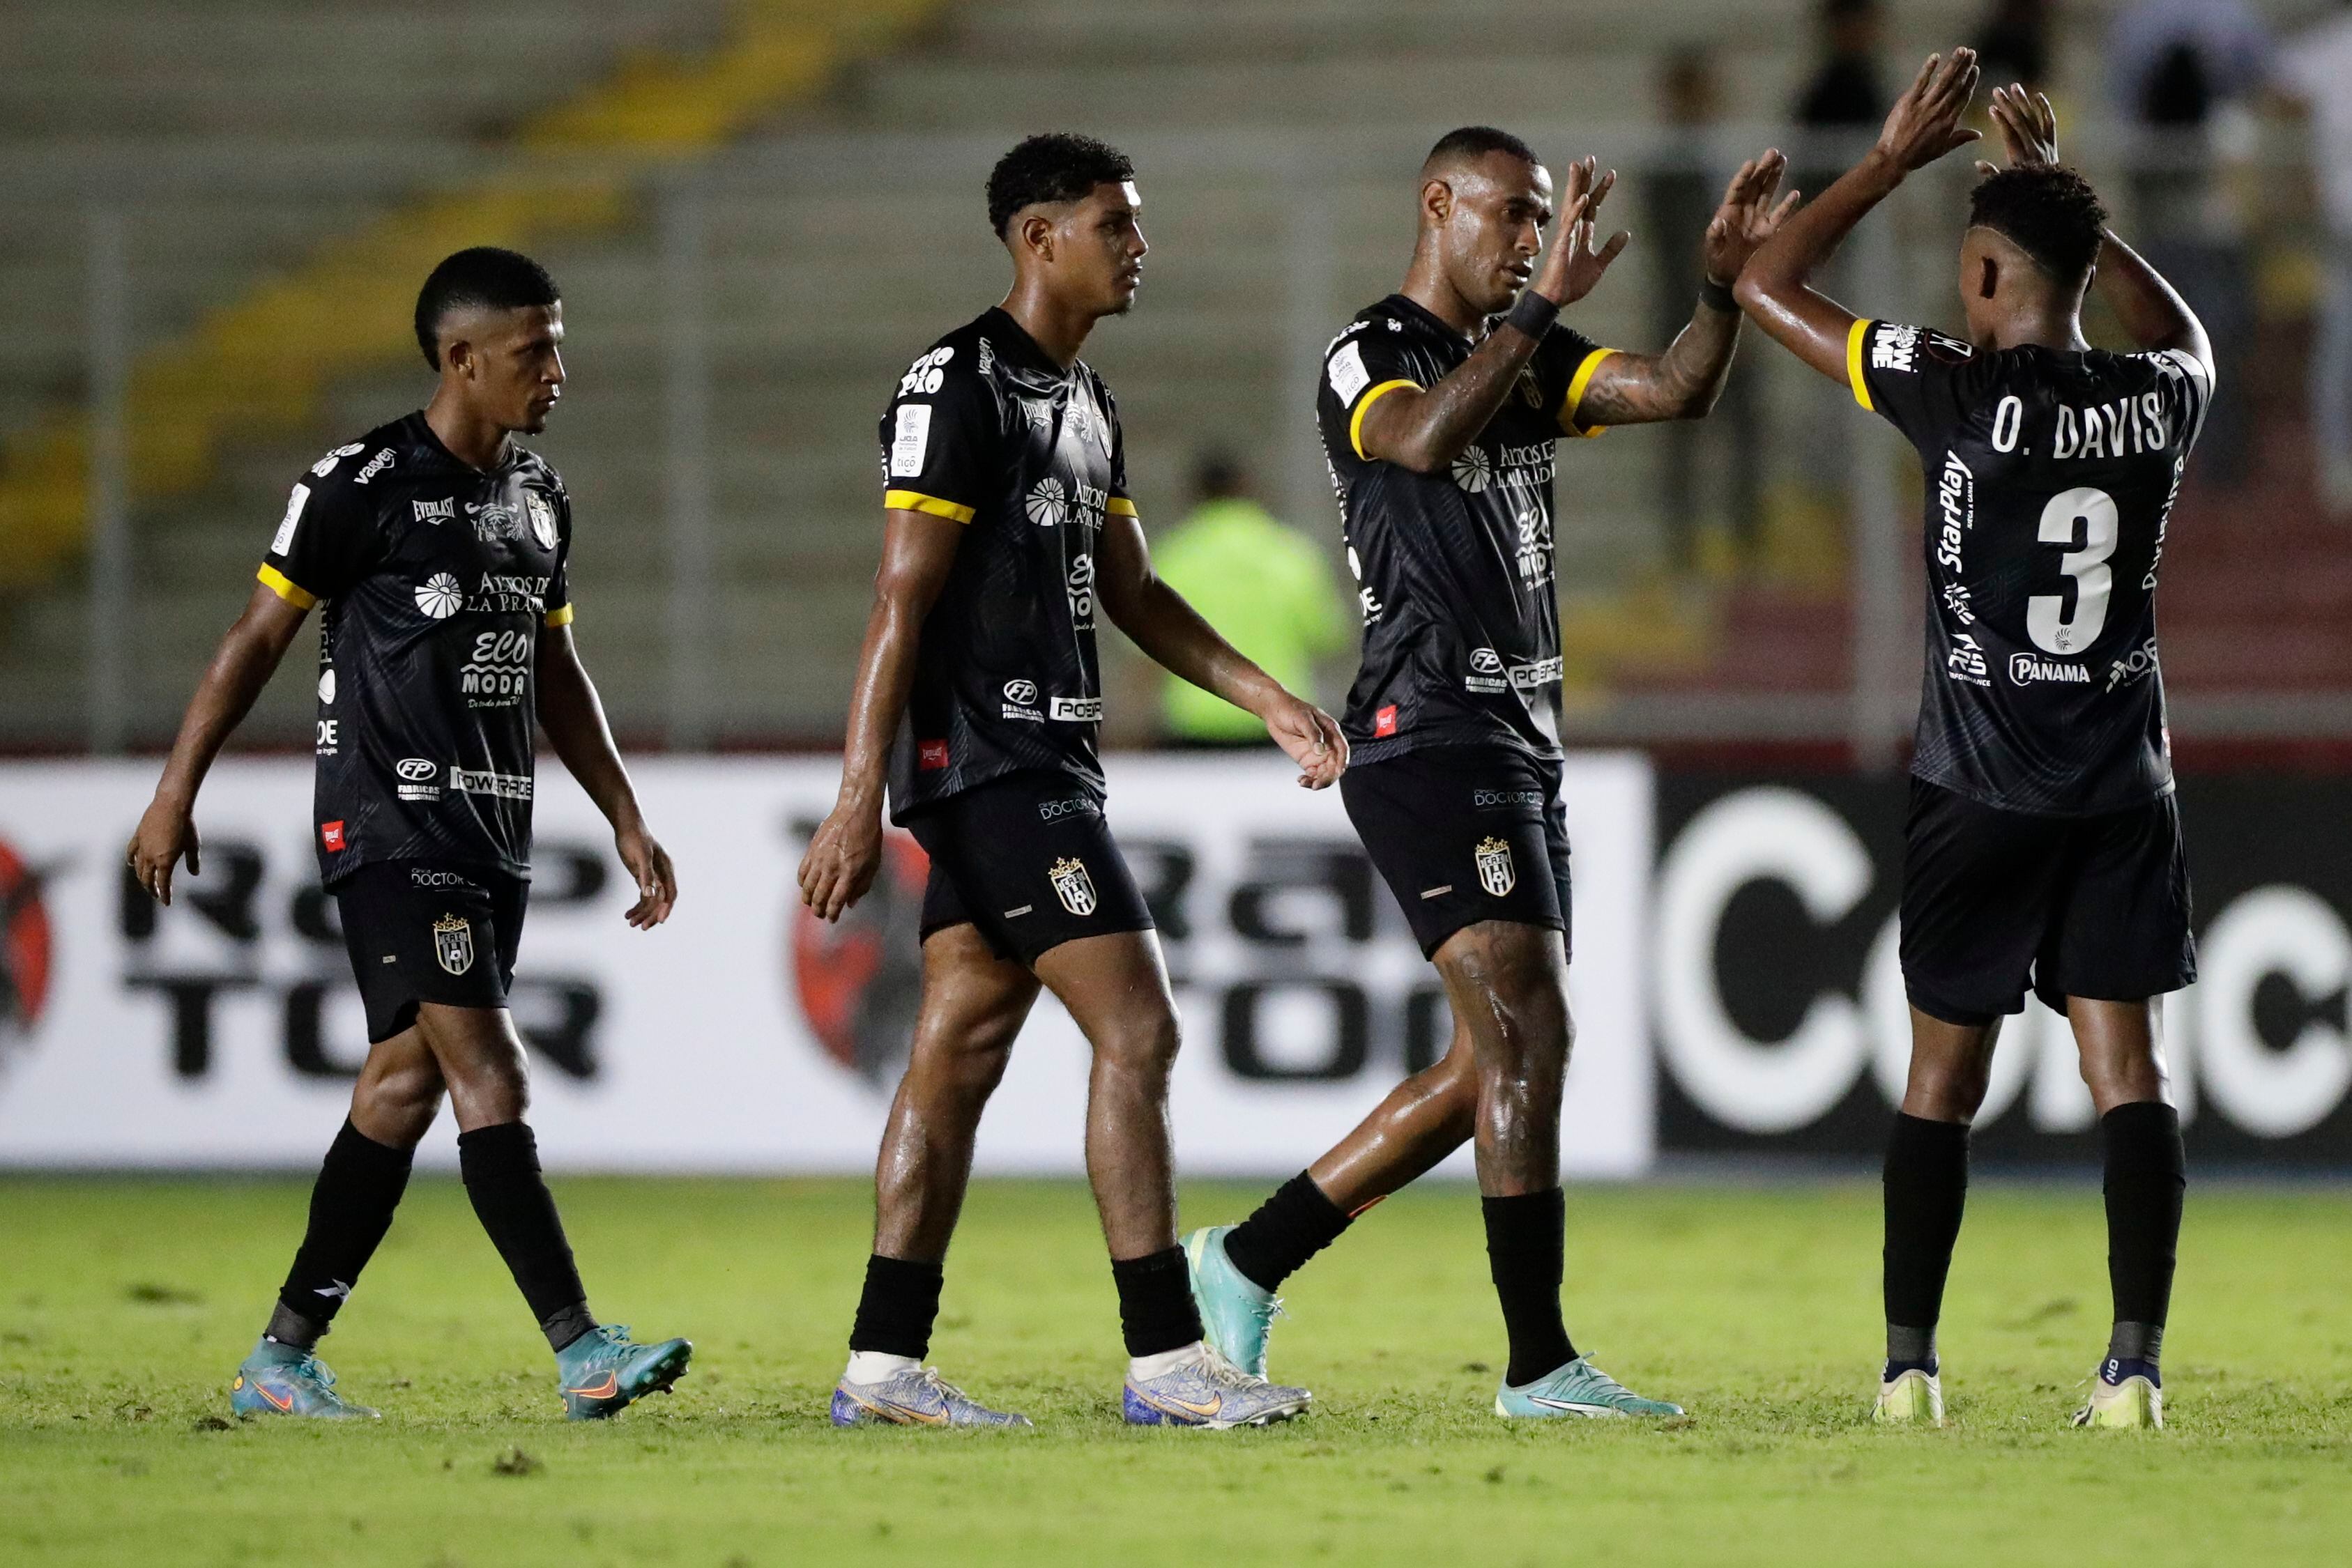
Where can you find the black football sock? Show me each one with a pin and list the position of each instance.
(500, 1166)
(358, 1185)
(1527, 1244)
(1288, 1229)
(2146, 1176)
(1926, 1186)
(898, 1307)
(1156, 1312)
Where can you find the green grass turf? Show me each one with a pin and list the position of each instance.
(125, 1304)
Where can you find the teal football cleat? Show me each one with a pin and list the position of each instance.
(602, 1373)
(915, 1396)
(1580, 1389)
(1237, 1314)
(287, 1380)
(1208, 1390)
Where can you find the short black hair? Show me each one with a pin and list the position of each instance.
(482, 278)
(2050, 210)
(1056, 166)
(1477, 141)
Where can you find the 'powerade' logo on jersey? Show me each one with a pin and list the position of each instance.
(498, 785)
(2025, 670)
(1076, 710)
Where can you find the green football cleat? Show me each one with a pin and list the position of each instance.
(1913, 1397)
(602, 1373)
(1579, 1388)
(287, 1380)
(1237, 1314)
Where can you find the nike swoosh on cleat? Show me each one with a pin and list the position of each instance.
(1578, 1406)
(903, 1414)
(604, 1390)
(271, 1400)
(1173, 1405)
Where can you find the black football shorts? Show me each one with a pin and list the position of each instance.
(1029, 861)
(420, 931)
(1995, 900)
(1463, 834)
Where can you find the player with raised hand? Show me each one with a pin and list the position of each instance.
(2044, 844)
(1007, 523)
(1441, 409)
(440, 549)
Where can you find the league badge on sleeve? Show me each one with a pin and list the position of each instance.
(453, 943)
(1073, 886)
(1497, 874)
(542, 518)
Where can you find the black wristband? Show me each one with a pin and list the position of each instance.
(1718, 296)
(1532, 314)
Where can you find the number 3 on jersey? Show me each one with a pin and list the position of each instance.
(2046, 621)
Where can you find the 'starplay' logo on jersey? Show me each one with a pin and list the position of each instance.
(440, 596)
(1073, 886)
(1473, 470)
(2025, 669)
(1956, 500)
(453, 943)
(543, 517)
(1497, 874)
(444, 510)
(925, 375)
(375, 466)
(1047, 503)
(326, 466)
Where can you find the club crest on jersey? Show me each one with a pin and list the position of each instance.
(543, 517)
(1073, 886)
(453, 944)
(1497, 874)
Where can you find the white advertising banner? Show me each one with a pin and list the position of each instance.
(742, 1036)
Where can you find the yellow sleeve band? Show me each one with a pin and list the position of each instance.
(286, 588)
(1854, 366)
(914, 501)
(1120, 506)
(1575, 398)
(561, 616)
(1356, 420)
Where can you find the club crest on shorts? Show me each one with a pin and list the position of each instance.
(453, 944)
(1497, 874)
(1073, 886)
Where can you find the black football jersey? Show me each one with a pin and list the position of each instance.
(1454, 569)
(2051, 477)
(985, 429)
(437, 579)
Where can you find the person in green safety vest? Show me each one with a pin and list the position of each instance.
(1262, 583)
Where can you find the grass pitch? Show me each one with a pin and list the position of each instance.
(125, 1304)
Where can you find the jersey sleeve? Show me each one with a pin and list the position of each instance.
(1359, 369)
(1121, 503)
(941, 437)
(2187, 390)
(326, 541)
(559, 585)
(1564, 367)
(1915, 378)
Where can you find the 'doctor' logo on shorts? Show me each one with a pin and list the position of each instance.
(1073, 886)
(453, 944)
(1497, 874)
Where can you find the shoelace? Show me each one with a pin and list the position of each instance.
(314, 1370)
(1215, 1368)
(929, 1377)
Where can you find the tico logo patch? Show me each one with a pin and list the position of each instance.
(1497, 874)
(1073, 886)
(453, 944)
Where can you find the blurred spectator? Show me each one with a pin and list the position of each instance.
(1682, 194)
(2182, 71)
(2013, 43)
(1265, 585)
(1845, 92)
(2316, 68)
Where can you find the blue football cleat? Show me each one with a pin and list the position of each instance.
(1579, 1388)
(1208, 1390)
(287, 1380)
(602, 1373)
(917, 1397)
(1237, 1314)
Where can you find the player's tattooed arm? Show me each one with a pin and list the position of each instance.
(1685, 381)
(1425, 430)
(247, 656)
(1173, 635)
(918, 549)
(1776, 286)
(574, 716)
(2150, 309)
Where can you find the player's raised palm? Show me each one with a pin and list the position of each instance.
(1924, 123)
(2029, 128)
(1572, 268)
(1748, 217)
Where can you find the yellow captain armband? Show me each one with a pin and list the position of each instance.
(560, 616)
(1854, 365)
(1575, 398)
(1356, 420)
(286, 588)
(915, 501)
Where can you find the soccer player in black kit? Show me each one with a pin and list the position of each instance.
(439, 547)
(1441, 408)
(1007, 526)
(2043, 846)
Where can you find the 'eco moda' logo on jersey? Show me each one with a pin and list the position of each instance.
(2024, 669)
(1473, 470)
(440, 597)
(1047, 503)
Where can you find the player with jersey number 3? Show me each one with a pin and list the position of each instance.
(2043, 846)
